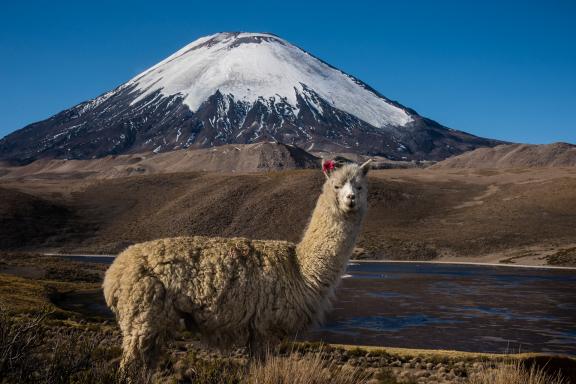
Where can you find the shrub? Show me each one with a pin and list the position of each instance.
(19, 338)
(32, 352)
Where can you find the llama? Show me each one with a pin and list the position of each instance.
(236, 291)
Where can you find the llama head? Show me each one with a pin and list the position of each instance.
(346, 185)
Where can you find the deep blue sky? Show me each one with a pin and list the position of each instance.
(499, 69)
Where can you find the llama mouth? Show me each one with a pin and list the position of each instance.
(350, 207)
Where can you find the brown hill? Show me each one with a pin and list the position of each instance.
(227, 158)
(515, 156)
(27, 220)
(414, 213)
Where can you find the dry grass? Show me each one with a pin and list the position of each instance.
(306, 370)
(32, 352)
(18, 340)
(23, 295)
(514, 373)
(32, 283)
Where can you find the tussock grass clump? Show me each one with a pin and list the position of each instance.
(288, 347)
(306, 370)
(514, 373)
(386, 376)
(214, 371)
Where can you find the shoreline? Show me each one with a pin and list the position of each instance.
(77, 255)
(463, 263)
(403, 351)
(447, 262)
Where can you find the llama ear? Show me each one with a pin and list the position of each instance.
(365, 167)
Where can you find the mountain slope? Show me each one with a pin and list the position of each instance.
(238, 88)
(27, 219)
(229, 158)
(515, 156)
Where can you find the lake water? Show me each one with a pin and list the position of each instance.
(449, 306)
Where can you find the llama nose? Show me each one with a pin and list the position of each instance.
(351, 196)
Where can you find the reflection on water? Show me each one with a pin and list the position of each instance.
(365, 275)
(392, 324)
(447, 287)
(386, 294)
(504, 313)
(462, 307)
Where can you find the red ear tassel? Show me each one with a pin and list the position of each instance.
(328, 166)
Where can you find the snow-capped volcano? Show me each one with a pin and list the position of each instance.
(251, 66)
(238, 88)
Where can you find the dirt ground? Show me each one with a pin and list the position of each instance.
(522, 216)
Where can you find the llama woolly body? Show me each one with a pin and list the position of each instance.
(236, 291)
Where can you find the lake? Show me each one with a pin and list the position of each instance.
(450, 306)
(475, 308)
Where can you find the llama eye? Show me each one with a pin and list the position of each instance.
(359, 188)
(336, 187)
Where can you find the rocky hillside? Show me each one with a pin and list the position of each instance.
(515, 156)
(234, 158)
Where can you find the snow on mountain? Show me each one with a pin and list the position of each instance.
(248, 66)
(242, 88)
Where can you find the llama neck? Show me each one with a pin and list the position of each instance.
(327, 243)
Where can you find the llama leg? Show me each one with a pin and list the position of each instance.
(147, 314)
(257, 348)
(140, 346)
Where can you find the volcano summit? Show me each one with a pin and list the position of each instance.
(238, 88)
